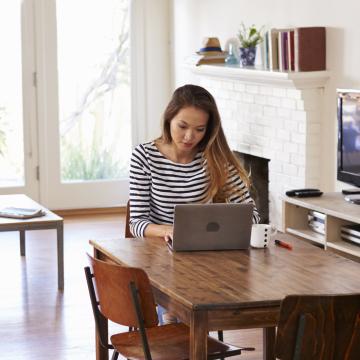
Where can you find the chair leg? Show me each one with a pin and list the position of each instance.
(100, 321)
(140, 319)
(115, 355)
(221, 338)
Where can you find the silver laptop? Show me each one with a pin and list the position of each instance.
(212, 227)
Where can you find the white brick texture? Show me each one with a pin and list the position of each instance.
(281, 124)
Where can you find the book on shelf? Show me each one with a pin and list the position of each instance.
(285, 45)
(262, 57)
(310, 48)
(281, 51)
(296, 49)
(291, 49)
(273, 35)
(21, 213)
(266, 58)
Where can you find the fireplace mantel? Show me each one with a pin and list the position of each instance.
(297, 80)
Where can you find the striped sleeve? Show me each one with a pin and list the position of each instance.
(241, 192)
(140, 180)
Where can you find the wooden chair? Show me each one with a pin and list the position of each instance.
(319, 328)
(125, 297)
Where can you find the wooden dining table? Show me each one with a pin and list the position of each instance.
(212, 290)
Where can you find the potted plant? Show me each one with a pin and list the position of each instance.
(249, 38)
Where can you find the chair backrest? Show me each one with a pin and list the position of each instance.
(128, 233)
(319, 327)
(113, 289)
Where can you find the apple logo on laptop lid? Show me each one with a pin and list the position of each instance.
(212, 227)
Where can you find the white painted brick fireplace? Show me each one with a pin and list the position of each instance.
(275, 115)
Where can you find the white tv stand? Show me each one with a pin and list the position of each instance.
(338, 212)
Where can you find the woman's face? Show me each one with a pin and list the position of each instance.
(188, 128)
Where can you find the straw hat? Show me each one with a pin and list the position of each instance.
(210, 46)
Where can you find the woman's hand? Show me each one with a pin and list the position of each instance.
(169, 237)
(168, 233)
(165, 231)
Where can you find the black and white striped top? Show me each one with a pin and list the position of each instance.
(157, 184)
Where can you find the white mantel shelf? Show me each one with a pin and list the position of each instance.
(298, 80)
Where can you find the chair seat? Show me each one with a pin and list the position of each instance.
(166, 342)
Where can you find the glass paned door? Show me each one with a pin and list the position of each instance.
(18, 157)
(11, 114)
(87, 104)
(94, 89)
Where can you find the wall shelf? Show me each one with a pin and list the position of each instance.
(298, 80)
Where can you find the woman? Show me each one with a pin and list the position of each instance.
(190, 163)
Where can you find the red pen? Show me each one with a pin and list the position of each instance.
(283, 244)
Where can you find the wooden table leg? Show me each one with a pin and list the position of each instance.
(198, 335)
(60, 254)
(22, 242)
(269, 343)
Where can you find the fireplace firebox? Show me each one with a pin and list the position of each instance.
(258, 169)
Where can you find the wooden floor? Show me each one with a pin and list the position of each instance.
(39, 322)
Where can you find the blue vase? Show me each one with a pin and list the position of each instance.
(247, 56)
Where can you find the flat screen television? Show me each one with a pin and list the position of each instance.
(348, 154)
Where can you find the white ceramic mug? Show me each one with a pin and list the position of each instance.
(260, 235)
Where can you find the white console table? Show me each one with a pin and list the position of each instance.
(338, 212)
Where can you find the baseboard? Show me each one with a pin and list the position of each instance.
(91, 211)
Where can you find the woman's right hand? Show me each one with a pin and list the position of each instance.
(164, 231)
(168, 233)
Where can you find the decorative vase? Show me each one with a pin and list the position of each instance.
(247, 56)
(231, 59)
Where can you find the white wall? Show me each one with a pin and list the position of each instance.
(194, 20)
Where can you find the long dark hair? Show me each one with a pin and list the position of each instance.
(217, 154)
